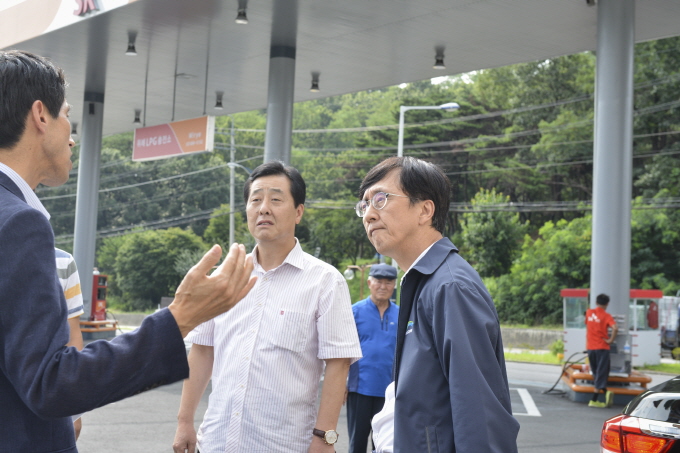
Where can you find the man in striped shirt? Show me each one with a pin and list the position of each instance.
(70, 284)
(266, 355)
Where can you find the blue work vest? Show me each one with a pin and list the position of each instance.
(372, 374)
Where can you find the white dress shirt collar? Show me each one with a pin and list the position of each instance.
(295, 258)
(30, 196)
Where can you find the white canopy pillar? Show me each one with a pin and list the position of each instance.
(277, 141)
(613, 154)
(87, 201)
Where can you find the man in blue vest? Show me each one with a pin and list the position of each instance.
(376, 318)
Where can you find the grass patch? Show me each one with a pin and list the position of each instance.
(671, 368)
(527, 326)
(529, 357)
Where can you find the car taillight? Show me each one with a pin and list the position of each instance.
(636, 443)
(622, 434)
(610, 441)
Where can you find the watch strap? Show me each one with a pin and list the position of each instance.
(322, 434)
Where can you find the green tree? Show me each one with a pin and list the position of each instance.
(217, 231)
(145, 265)
(339, 234)
(655, 248)
(492, 239)
(558, 258)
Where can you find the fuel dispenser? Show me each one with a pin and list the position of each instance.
(98, 327)
(99, 286)
(645, 341)
(637, 343)
(641, 333)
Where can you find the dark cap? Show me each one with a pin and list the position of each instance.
(383, 271)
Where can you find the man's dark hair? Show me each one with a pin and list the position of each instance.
(24, 79)
(602, 299)
(298, 188)
(420, 180)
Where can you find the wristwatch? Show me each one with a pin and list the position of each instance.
(330, 436)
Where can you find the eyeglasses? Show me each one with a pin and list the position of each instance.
(379, 200)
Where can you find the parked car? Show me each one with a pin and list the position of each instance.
(650, 423)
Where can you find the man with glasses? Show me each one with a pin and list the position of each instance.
(376, 318)
(449, 375)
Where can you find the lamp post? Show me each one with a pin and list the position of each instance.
(232, 176)
(349, 275)
(449, 106)
(232, 166)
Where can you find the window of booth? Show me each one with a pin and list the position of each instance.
(575, 312)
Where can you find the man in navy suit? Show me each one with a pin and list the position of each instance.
(43, 382)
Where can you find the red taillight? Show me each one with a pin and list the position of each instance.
(611, 435)
(622, 434)
(642, 443)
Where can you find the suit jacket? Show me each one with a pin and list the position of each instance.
(42, 382)
(451, 385)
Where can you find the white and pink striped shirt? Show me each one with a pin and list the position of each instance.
(269, 352)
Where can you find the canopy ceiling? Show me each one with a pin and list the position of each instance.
(189, 49)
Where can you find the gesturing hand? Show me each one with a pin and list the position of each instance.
(200, 297)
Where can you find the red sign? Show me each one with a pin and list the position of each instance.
(174, 139)
(84, 7)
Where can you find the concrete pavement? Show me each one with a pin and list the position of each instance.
(146, 422)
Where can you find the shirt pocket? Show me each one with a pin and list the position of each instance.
(292, 330)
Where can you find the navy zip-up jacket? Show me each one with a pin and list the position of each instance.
(451, 384)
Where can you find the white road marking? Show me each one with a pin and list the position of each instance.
(528, 402)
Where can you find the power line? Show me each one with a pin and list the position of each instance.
(154, 181)
(536, 206)
(448, 144)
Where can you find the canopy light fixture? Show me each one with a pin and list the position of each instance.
(439, 58)
(242, 17)
(218, 100)
(138, 114)
(131, 50)
(74, 128)
(315, 82)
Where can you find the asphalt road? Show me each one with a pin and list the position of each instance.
(549, 423)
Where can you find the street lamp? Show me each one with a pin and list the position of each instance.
(232, 176)
(232, 211)
(349, 275)
(449, 106)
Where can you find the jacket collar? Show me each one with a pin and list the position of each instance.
(8, 184)
(435, 256)
(27, 194)
(427, 265)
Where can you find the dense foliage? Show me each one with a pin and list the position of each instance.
(491, 239)
(522, 138)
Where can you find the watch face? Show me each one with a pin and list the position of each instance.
(331, 437)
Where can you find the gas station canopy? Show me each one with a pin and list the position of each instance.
(168, 60)
(187, 50)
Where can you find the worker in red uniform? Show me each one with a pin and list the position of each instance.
(598, 342)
